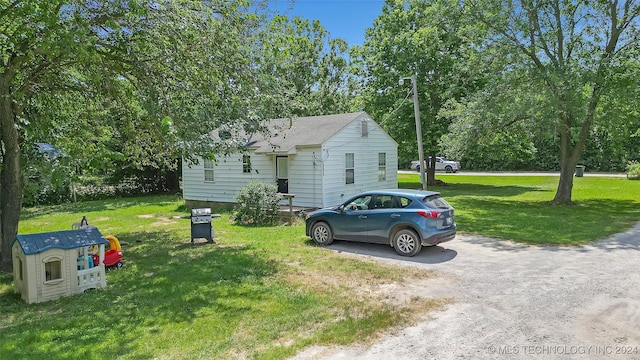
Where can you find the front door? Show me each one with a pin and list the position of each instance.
(282, 174)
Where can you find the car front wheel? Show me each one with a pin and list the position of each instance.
(321, 233)
(406, 242)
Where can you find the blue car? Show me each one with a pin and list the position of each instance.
(404, 219)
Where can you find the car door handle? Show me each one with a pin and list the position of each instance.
(395, 215)
(362, 217)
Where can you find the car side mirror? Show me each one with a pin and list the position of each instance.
(341, 209)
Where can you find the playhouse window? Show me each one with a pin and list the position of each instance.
(382, 166)
(246, 164)
(349, 165)
(20, 271)
(53, 270)
(208, 170)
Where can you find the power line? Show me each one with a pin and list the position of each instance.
(396, 109)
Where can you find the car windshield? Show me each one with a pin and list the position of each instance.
(435, 202)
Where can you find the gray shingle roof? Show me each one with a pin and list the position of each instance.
(303, 131)
(67, 239)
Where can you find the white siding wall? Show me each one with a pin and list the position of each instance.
(305, 177)
(365, 149)
(316, 175)
(228, 177)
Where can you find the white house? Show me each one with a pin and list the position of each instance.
(322, 160)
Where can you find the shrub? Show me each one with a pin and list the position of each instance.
(633, 170)
(257, 204)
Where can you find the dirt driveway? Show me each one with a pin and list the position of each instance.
(514, 301)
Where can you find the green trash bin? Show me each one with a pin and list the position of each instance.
(580, 170)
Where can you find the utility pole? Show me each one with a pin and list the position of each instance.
(416, 111)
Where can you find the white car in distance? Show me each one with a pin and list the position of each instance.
(442, 164)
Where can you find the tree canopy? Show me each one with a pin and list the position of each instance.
(310, 65)
(152, 76)
(140, 84)
(407, 40)
(555, 61)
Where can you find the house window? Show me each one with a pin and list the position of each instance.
(208, 170)
(349, 168)
(53, 269)
(246, 164)
(382, 166)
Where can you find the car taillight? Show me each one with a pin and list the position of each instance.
(429, 214)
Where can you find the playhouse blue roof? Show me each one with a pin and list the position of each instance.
(67, 239)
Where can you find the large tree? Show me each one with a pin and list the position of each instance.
(428, 39)
(310, 64)
(66, 64)
(568, 52)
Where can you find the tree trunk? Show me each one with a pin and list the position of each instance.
(565, 185)
(11, 182)
(569, 155)
(172, 177)
(431, 170)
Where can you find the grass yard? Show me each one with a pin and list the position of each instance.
(518, 207)
(268, 292)
(260, 293)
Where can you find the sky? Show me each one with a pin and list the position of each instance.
(346, 19)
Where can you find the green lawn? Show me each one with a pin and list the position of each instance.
(268, 292)
(518, 207)
(260, 293)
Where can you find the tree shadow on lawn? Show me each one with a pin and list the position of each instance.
(486, 190)
(627, 240)
(162, 283)
(587, 223)
(454, 190)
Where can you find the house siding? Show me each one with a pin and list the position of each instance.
(365, 150)
(228, 178)
(305, 177)
(316, 172)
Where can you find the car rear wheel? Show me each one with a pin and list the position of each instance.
(448, 169)
(321, 233)
(406, 242)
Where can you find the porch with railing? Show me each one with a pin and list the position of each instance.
(93, 278)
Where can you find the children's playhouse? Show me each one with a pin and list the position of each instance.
(49, 265)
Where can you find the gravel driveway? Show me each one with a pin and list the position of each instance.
(513, 301)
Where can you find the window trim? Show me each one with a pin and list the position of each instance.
(49, 260)
(246, 164)
(349, 168)
(382, 166)
(208, 166)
